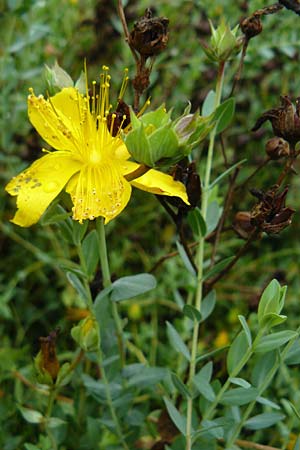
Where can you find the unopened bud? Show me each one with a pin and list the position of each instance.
(242, 224)
(223, 43)
(86, 334)
(277, 148)
(155, 138)
(251, 26)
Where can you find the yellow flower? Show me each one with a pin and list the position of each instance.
(88, 162)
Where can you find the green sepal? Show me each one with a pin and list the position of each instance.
(42, 376)
(86, 334)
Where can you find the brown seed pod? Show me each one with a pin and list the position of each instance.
(277, 148)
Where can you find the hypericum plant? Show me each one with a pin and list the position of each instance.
(100, 151)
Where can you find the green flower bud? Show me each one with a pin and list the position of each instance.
(155, 138)
(86, 334)
(223, 43)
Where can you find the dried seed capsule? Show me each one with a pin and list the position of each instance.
(277, 148)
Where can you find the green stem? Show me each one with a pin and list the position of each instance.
(107, 282)
(200, 256)
(51, 399)
(110, 402)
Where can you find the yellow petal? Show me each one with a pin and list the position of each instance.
(156, 182)
(121, 152)
(99, 190)
(37, 186)
(59, 119)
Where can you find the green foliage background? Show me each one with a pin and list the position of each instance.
(33, 296)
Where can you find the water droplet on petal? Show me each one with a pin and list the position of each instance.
(50, 186)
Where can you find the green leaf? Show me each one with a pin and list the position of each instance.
(270, 300)
(79, 231)
(218, 267)
(192, 313)
(201, 382)
(227, 172)
(64, 375)
(212, 216)
(263, 365)
(240, 382)
(31, 415)
(293, 355)
(297, 444)
(246, 328)
(187, 263)
(54, 422)
(180, 386)
(264, 420)
(31, 447)
(208, 305)
(290, 406)
(267, 402)
(272, 319)
(147, 377)
(274, 341)
(213, 428)
(212, 353)
(55, 213)
(197, 223)
(239, 396)
(176, 417)
(90, 252)
(224, 114)
(77, 285)
(237, 351)
(66, 230)
(131, 286)
(177, 342)
(208, 106)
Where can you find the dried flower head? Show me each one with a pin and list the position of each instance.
(150, 35)
(251, 26)
(285, 120)
(270, 214)
(46, 360)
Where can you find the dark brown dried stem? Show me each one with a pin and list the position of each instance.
(125, 28)
(245, 182)
(227, 204)
(287, 168)
(212, 281)
(240, 67)
(177, 219)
